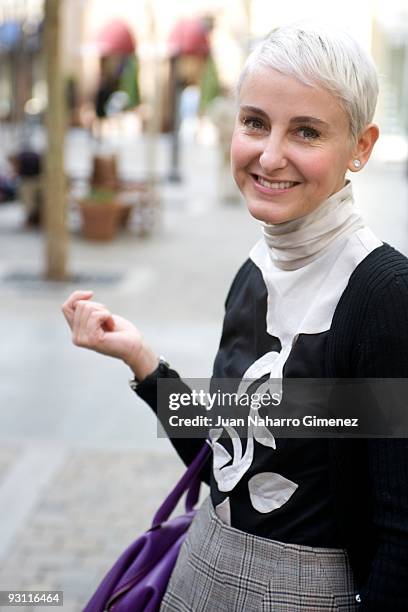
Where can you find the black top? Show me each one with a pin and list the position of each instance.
(352, 493)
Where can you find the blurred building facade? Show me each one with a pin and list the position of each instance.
(390, 47)
(382, 29)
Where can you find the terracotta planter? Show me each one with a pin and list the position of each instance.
(100, 220)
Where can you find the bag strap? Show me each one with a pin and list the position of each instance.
(189, 481)
(193, 494)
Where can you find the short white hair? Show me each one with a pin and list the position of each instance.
(326, 57)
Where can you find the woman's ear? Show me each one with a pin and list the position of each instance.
(363, 148)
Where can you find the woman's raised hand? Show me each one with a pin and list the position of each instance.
(95, 327)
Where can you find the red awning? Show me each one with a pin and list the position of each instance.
(115, 38)
(189, 37)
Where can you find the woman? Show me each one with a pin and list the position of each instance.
(295, 524)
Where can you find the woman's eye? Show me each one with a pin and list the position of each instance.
(252, 123)
(308, 133)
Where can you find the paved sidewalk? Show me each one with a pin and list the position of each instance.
(94, 504)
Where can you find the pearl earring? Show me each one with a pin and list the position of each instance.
(357, 164)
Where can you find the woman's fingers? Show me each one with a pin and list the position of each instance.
(94, 327)
(68, 307)
(81, 315)
(90, 325)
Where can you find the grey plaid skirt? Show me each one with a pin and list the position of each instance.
(222, 569)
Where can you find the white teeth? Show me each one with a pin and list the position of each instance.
(275, 185)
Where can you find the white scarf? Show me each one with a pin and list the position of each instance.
(306, 265)
(295, 243)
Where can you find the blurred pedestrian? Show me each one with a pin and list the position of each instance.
(298, 523)
(106, 87)
(27, 167)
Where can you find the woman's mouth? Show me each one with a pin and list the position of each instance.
(276, 186)
(273, 185)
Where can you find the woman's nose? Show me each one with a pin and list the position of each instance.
(273, 156)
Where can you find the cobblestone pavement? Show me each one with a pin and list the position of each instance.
(81, 468)
(93, 507)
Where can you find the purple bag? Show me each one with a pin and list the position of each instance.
(139, 578)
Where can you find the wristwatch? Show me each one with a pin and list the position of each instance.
(161, 370)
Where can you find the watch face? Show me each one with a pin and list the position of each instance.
(163, 362)
(133, 384)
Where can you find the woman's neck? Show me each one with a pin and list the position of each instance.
(296, 243)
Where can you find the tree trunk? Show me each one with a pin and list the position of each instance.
(54, 183)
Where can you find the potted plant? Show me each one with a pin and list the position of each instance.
(101, 212)
(110, 202)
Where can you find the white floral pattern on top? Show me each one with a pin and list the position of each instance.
(228, 477)
(269, 491)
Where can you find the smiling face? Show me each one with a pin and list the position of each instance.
(291, 146)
